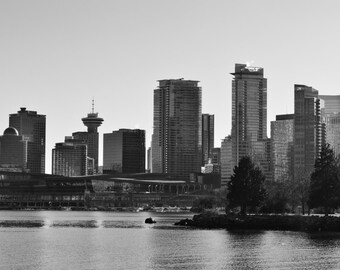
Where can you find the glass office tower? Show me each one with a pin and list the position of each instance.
(177, 130)
(124, 151)
(249, 116)
(309, 129)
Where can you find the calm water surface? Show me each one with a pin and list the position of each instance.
(111, 240)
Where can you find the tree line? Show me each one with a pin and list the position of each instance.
(250, 192)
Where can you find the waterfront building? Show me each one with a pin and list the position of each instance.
(91, 137)
(20, 190)
(124, 151)
(32, 126)
(249, 116)
(332, 121)
(282, 138)
(177, 128)
(13, 151)
(309, 129)
(207, 137)
(70, 158)
(226, 161)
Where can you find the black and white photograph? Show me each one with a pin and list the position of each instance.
(169, 134)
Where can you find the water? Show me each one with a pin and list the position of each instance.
(111, 240)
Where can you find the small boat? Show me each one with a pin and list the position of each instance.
(150, 220)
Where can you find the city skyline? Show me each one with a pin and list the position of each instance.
(56, 57)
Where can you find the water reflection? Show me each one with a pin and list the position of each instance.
(103, 240)
(243, 249)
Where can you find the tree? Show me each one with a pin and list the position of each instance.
(246, 186)
(277, 197)
(325, 184)
(301, 188)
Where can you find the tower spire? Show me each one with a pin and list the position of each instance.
(92, 104)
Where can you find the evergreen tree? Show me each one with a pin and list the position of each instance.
(245, 187)
(325, 184)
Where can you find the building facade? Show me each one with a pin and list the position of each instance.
(226, 161)
(309, 132)
(282, 139)
(70, 158)
(13, 151)
(177, 128)
(216, 155)
(332, 121)
(332, 103)
(124, 151)
(249, 116)
(33, 127)
(208, 126)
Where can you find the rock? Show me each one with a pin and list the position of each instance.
(150, 220)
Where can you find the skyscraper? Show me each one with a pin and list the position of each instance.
(124, 151)
(91, 137)
(207, 137)
(226, 161)
(332, 121)
(177, 130)
(13, 151)
(308, 129)
(282, 137)
(33, 127)
(249, 116)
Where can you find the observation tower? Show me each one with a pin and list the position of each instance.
(92, 121)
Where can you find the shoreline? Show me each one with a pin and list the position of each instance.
(209, 220)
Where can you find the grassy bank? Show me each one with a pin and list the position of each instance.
(264, 222)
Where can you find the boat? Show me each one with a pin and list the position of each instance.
(150, 220)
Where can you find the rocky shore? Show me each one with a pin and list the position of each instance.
(264, 222)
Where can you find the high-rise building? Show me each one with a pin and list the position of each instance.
(282, 138)
(70, 158)
(177, 129)
(332, 103)
(216, 155)
(33, 127)
(226, 161)
(91, 137)
(13, 151)
(309, 133)
(332, 121)
(124, 151)
(207, 137)
(249, 116)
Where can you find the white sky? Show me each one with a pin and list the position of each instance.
(56, 55)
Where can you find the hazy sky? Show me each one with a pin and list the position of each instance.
(56, 55)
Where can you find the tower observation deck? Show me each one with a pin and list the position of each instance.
(92, 121)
